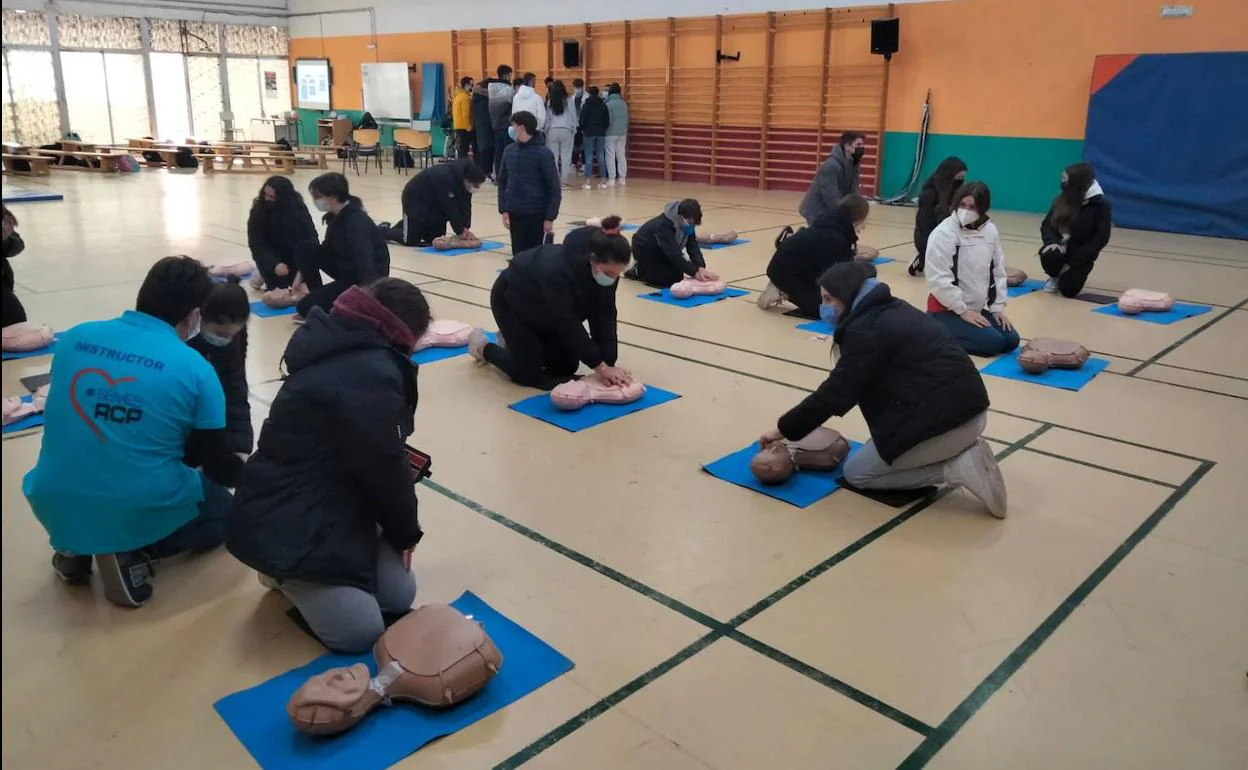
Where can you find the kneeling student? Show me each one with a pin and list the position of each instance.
(660, 245)
(541, 302)
(435, 198)
(1075, 230)
(800, 259)
(965, 269)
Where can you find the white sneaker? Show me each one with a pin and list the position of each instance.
(498, 340)
(257, 281)
(587, 186)
(476, 345)
(621, 182)
(1050, 286)
(977, 471)
(267, 582)
(770, 297)
(609, 183)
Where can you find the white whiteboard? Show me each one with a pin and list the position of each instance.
(387, 90)
(312, 78)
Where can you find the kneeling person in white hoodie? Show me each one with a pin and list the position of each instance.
(527, 100)
(965, 270)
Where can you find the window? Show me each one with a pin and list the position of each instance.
(106, 94)
(31, 114)
(25, 28)
(173, 117)
(205, 74)
(101, 33)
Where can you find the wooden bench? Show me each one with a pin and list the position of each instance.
(107, 160)
(38, 165)
(283, 163)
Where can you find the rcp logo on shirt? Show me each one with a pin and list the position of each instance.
(97, 397)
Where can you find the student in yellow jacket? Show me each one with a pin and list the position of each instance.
(461, 117)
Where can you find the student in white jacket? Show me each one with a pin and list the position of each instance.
(965, 270)
(527, 100)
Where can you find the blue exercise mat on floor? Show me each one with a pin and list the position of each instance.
(26, 423)
(226, 278)
(697, 300)
(883, 260)
(485, 246)
(264, 311)
(716, 246)
(1026, 287)
(818, 327)
(1178, 312)
(31, 196)
(46, 350)
(257, 716)
(1067, 379)
(431, 355)
(539, 406)
(802, 489)
(629, 228)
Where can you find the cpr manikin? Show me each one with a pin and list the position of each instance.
(283, 298)
(26, 336)
(444, 334)
(236, 270)
(434, 656)
(16, 409)
(1143, 300)
(711, 239)
(821, 450)
(1014, 277)
(448, 242)
(597, 222)
(1044, 353)
(689, 287)
(590, 389)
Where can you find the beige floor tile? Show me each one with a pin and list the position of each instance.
(1214, 383)
(1220, 349)
(1117, 455)
(617, 741)
(716, 704)
(986, 585)
(1147, 674)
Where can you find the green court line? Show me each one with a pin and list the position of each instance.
(1104, 468)
(1015, 660)
(1185, 339)
(1191, 387)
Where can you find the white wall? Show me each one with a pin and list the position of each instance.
(440, 15)
(271, 12)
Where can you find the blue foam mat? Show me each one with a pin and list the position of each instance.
(803, 488)
(818, 327)
(539, 406)
(226, 278)
(264, 311)
(1178, 312)
(697, 300)
(1026, 287)
(881, 260)
(1007, 367)
(717, 246)
(432, 355)
(46, 350)
(485, 246)
(26, 423)
(31, 196)
(629, 228)
(257, 716)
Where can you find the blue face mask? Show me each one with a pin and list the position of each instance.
(689, 229)
(511, 133)
(827, 314)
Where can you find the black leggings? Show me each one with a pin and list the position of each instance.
(654, 269)
(535, 357)
(410, 231)
(267, 262)
(311, 259)
(14, 312)
(801, 290)
(528, 231)
(1070, 282)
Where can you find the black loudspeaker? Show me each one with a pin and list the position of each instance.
(571, 53)
(884, 34)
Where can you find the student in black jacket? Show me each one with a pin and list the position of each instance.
(14, 312)
(578, 240)
(325, 510)
(354, 251)
(436, 197)
(660, 245)
(1075, 230)
(528, 185)
(279, 221)
(935, 203)
(800, 259)
(594, 120)
(922, 398)
(541, 303)
(222, 339)
(483, 141)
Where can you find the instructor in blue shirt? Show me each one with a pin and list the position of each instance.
(128, 399)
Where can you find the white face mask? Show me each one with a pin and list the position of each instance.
(967, 216)
(194, 330)
(322, 204)
(603, 280)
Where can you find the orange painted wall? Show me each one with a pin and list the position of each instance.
(346, 54)
(1022, 68)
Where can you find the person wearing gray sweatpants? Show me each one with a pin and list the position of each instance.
(924, 402)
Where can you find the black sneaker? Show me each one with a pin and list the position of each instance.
(125, 578)
(74, 570)
(632, 274)
(916, 265)
(784, 235)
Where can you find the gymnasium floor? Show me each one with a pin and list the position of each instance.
(1104, 624)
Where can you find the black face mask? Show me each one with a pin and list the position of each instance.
(858, 153)
(1065, 186)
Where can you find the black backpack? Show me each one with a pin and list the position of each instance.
(403, 159)
(185, 158)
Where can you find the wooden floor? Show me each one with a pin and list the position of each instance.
(1103, 625)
